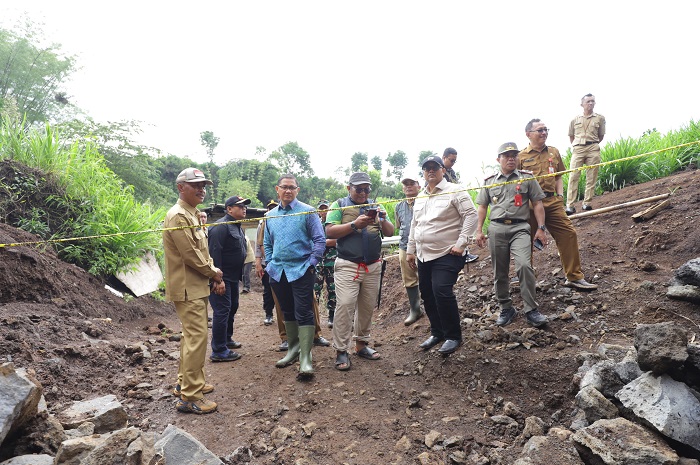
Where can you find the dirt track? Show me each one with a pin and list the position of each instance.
(52, 319)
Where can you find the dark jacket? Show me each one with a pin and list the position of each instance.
(227, 247)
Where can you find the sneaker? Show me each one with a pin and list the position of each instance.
(268, 320)
(233, 344)
(321, 341)
(570, 210)
(199, 406)
(229, 356)
(206, 390)
(535, 318)
(284, 346)
(469, 258)
(506, 316)
(586, 207)
(581, 284)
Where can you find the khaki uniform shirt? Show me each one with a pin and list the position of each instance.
(501, 199)
(441, 222)
(539, 163)
(587, 129)
(188, 265)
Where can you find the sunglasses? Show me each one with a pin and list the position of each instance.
(362, 190)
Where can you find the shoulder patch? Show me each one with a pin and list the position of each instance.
(526, 171)
(489, 177)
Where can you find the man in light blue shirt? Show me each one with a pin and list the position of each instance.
(294, 243)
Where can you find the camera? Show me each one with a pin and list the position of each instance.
(371, 212)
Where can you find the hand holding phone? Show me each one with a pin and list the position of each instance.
(371, 212)
(538, 244)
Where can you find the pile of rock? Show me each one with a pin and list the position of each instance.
(685, 284)
(634, 405)
(92, 432)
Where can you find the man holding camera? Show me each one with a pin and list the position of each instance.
(541, 159)
(358, 229)
(509, 231)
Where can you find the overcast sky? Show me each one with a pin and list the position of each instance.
(375, 76)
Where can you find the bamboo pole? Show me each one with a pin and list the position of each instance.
(622, 205)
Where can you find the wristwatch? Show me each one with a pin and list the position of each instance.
(354, 228)
(542, 227)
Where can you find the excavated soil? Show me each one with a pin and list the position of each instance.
(81, 341)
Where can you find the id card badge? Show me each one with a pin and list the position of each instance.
(518, 199)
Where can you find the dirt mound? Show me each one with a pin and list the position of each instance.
(54, 319)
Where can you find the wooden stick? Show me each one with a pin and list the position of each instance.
(651, 211)
(622, 205)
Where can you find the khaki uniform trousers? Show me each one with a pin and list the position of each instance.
(505, 239)
(583, 155)
(193, 347)
(356, 290)
(280, 319)
(408, 274)
(559, 226)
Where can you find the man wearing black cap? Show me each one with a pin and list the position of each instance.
(441, 228)
(509, 231)
(358, 229)
(228, 247)
(188, 272)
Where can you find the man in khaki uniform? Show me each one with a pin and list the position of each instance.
(541, 160)
(188, 269)
(585, 133)
(509, 232)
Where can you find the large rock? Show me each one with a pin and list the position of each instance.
(106, 413)
(684, 292)
(621, 442)
(668, 405)
(594, 405)
(690, 372)
(603, 376)
(689, 272)
(548, 450)
(177, 447)
(19, 398)
(32, 459)
(661, 347)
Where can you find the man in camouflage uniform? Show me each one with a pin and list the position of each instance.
(324, 269)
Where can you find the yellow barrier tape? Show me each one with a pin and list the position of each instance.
(251, 220)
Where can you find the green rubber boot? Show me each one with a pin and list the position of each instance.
(292, 328)
(306, 342)
(414, 302)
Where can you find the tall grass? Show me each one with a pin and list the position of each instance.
(658, 165)
(100, 203)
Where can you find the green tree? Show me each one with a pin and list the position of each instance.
(423, 155)
(210, 142)
(291, 158)
(377, 162)
(31, 73)
(398, 162)
(358, 162)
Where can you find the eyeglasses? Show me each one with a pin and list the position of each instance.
(451, 160)
(362, 190)
(288, 188)
(541, 130)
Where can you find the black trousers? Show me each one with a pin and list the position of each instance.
(268, 301)
(436, 279)
(296, 298)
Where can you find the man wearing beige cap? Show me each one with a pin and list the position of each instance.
(403, 214)
(188, 272)
(509, 231)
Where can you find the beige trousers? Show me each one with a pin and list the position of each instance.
(583, 155)
(356, 291)
(408, 274)
(193, 347)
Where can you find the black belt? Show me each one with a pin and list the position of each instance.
(590, 142)
(506, 221)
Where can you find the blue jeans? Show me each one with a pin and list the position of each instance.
(224, 308)
(436, 278)
(296, 298)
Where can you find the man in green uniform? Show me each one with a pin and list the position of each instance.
(541, 159)
(324, 269)
(509, 232)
